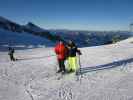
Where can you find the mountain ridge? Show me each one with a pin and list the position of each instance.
(28, 28)
(81, 38)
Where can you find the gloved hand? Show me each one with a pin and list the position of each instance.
(79, 52)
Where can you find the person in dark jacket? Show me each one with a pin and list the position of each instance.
(60, 51)
(72, 59)
(11, 53)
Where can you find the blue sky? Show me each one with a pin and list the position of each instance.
(70, 14)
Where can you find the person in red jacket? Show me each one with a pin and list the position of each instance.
(61, 51)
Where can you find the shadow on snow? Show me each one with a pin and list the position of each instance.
(105, 66)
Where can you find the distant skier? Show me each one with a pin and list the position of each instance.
(11, 53)
(72, 59)
(60, 51)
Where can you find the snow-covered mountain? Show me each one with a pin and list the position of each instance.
(28, 28)
(92, 38)
(33, 27)
(12, 26)
(33, 76)
(22, 40)
(9, 25)
(81, 38)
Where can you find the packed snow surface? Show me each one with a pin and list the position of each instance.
(33, 76)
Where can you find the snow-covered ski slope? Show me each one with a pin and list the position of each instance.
(22, 40)
(33, 76)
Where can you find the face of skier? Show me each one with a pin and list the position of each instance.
(70, 42)
(60, 42)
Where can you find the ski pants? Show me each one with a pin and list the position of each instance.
(61, 65)
(12, 57)
(72, 63)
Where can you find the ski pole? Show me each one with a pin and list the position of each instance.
(80, 66)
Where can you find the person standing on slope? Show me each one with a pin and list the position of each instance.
(11, 53)
(60, 51)
(72, 59)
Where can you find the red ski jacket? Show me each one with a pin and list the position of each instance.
(60, 50)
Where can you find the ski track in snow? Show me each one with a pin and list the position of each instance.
(33, 76)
